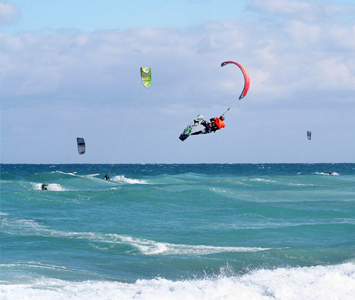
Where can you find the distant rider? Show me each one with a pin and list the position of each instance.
(44, 186)
(214, 125)
(106, 177)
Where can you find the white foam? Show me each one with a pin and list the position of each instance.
(307, 283)
(149, 247)
(300, 184)
(65, 173)
(128, 180)
(25, 226)
(92, 175)
(76, 175)
(262, 180)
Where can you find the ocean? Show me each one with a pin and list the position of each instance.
(176, 231)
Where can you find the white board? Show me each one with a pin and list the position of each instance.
(192, 127)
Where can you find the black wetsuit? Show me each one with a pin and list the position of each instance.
(209, 127)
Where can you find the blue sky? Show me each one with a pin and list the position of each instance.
(71, 70)
(44, 16)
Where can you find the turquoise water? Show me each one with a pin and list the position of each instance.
(206, 231)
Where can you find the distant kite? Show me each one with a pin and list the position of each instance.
(81, 145)
(146, 75)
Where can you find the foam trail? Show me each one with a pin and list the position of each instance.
(65, 173)
(128, 180)
(148, 247)
(145, 246)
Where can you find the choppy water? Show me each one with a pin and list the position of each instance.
(209, 231)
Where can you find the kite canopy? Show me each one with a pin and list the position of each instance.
(246, 77)
(81, 145)
(309, 134)
(146, 75)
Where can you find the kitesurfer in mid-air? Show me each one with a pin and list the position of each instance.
(106, 177)
(214, 125)
(44, 186)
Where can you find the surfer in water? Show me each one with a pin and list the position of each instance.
(44, 186)
(106, 177)
(214, 125)
(329, 173)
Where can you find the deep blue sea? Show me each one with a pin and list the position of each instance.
(175, 231)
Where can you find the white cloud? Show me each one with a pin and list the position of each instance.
(343, 9)
(184, 61)
(9, 13)
(300, 10)
(336, 75)
(285, 7)
(303, 34)
(342, 37)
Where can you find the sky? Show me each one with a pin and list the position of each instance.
(70, 70)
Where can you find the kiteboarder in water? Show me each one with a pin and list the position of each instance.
(44, 186)
(214, 125)
(106, 177)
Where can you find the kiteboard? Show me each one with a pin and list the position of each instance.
(192, 127)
